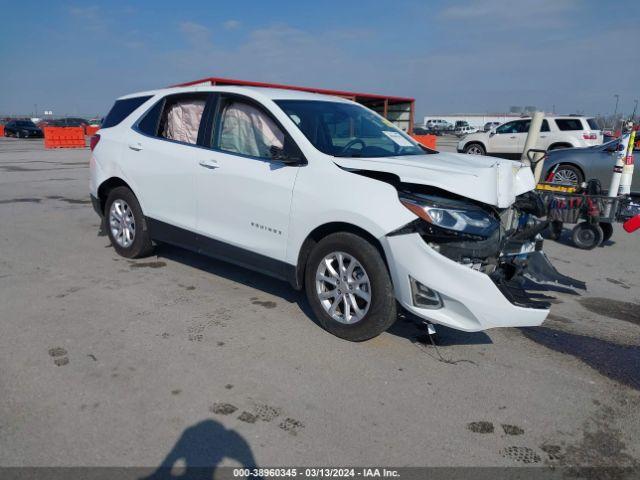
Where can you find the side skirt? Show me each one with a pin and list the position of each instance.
(219, 250)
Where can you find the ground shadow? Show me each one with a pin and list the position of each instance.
(408, 326)
(414, 329)
(199, 451)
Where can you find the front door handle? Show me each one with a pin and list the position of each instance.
(512, 137)
(210, 164)
(136, 147)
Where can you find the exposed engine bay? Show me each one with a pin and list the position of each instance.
(503, 243)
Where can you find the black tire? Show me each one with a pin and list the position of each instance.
(382, 307)
(587, 235)
(571, 171)
(18, 134)
(476, 148)
(141, 245)
(607, 230)
(555, 229)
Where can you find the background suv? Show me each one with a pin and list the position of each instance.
(508, 139)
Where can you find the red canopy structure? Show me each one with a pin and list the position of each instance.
(399, 110)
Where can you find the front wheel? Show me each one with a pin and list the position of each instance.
(349, 288)
(126, 225)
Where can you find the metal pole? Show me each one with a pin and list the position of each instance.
(531, 141)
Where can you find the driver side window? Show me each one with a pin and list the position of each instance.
(247, 130)
(510, 127)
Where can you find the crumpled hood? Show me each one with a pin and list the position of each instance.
(485, 179)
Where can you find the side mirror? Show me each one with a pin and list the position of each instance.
(278, 155)
(492, 132)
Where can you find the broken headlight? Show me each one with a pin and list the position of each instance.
(450, 214)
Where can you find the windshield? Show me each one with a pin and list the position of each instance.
(348, 130)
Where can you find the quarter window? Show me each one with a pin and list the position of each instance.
(121, 110)
(567, 124)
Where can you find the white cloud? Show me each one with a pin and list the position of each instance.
(231, 24)
(510, 14)
(196, 34)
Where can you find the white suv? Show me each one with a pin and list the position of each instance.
(438, 124)
(508, 139)
(326, 194)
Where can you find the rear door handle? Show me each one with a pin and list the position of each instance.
(210, 164)
(136, 147)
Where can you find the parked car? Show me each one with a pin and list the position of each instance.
(461, 131)
(438, 124)
(68, 122)
(425, 131)
(22, 129)
(575, 165)
(489, 125)
(508, 139)
(326, 194)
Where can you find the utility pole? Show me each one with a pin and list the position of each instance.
(635, 108)
(615, 111)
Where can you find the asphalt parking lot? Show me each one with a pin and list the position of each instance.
(107, 361)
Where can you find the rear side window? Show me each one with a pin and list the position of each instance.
(176, 117)
(567, 124)
(593, 125)
(122, 109)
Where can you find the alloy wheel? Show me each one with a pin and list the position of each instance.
(565, 176)
(343, 287)
(122, 223)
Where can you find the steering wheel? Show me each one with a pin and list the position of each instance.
(348, 146)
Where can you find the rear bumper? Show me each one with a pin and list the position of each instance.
(471, 300)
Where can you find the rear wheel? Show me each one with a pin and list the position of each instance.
(349, 288)
(568, 175)
(587, 235)
(126, 226)
(474, 149)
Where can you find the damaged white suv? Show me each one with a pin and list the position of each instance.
(326, 194)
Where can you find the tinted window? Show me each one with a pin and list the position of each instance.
(150, 122)
(248, 130)
(511, 127)
(566, 124)
(593, 125)
(122, 109)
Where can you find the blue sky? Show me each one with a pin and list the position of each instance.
(452, 56)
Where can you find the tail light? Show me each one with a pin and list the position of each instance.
(94, 141)
(590, 136)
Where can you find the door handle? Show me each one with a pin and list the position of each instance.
(136, 147)
(512, 137)
(210, 164)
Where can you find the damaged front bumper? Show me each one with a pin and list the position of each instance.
(473, 296)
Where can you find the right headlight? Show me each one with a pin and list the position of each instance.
(453, 215)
